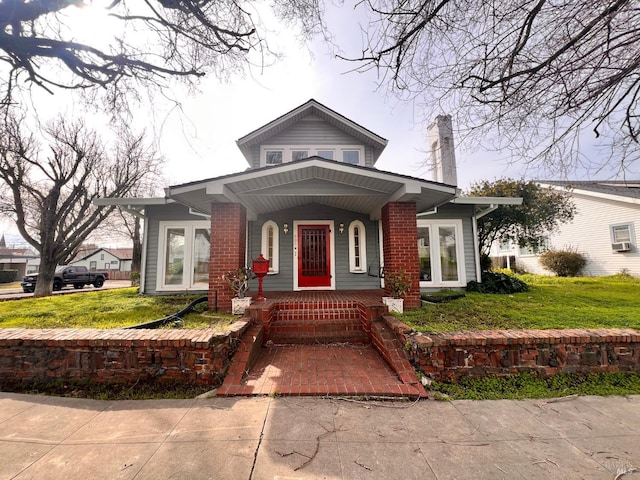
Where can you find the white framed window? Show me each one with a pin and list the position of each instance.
(622, 232)
(274, 157)
(270, 245)
(505, 245)
(183, 255)
(357, 247)
(441, 253)
(278, 154)
(326, 154)
(542, 247)
(352, 157)
(299, 155)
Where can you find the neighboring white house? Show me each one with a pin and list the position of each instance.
(22, 259)
(106, 259)
(603, 229)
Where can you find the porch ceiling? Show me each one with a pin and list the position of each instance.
(318, 181)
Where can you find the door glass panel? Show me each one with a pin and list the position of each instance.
(448, 254)
(174, 258)
(201, 252)
(314, 252)
(424, 253)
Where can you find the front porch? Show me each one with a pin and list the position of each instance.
(321, 343)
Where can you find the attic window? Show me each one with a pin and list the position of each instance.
(326, 154)
(351, 157)
(299, 154)
(274, 157)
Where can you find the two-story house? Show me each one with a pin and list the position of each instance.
(313, 203)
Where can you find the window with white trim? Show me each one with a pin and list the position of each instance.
(541, 247)
(183, 255)
(278, 154)
(273, 157)
(622, 232)
(270, 245)
(357, 247)
(441, 253)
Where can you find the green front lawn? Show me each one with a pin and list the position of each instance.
(603, 302)
(551, 302)
(103, 309)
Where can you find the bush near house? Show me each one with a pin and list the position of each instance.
(564, 263)
(8, 276)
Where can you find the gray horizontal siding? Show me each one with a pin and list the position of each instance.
(344, 279)
(155, 215)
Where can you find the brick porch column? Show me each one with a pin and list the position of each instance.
(228, 249)
(400, 246)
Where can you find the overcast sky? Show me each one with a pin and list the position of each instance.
(199, 141)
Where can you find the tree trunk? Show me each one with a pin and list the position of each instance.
(46, 271)
(136, 259)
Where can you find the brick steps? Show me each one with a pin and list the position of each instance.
(317, 326)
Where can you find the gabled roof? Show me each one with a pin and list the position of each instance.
(312, 181)
(625, 191)
(312, 107)
(119, 253)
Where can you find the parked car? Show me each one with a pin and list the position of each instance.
(76, 275)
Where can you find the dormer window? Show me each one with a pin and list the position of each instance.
(299, 154)
(274, 157)
(351, 157)
(326, 154)
(279, 154)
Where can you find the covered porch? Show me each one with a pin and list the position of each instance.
(239, 202)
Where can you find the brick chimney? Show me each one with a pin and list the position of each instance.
(443, 158)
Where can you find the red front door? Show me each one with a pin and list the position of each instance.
(314, 265)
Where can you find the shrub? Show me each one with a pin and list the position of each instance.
(564, 263)
(493, 282)
(399, 284)
(8, 276)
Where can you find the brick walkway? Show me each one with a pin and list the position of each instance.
(324, 367)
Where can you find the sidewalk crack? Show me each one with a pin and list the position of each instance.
(255, 455)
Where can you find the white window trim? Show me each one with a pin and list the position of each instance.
(352, 248)
(187, 266)
(312, 149)
(434, 243)
(274, 263)
(632, 233)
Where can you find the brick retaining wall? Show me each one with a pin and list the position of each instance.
(118, 356)
(455, 355)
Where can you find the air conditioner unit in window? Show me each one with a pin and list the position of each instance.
(621, 247)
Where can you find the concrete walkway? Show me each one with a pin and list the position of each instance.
(318, 438)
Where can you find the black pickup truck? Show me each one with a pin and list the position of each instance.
(73, 275)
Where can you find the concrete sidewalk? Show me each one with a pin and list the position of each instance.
(310, 437)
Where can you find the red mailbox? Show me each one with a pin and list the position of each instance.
(260, 267)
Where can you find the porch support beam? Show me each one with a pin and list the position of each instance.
(228, 250)
(400, 247)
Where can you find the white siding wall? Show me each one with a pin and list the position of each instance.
(103, 261)
(589, 233)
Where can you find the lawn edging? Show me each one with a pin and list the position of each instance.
(451, 356)
(200, 357)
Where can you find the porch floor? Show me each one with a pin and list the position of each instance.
(261, 367)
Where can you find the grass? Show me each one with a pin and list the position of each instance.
(529, 385)
(551, 302)
(103, 309)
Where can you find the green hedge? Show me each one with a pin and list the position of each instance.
(8, 276)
